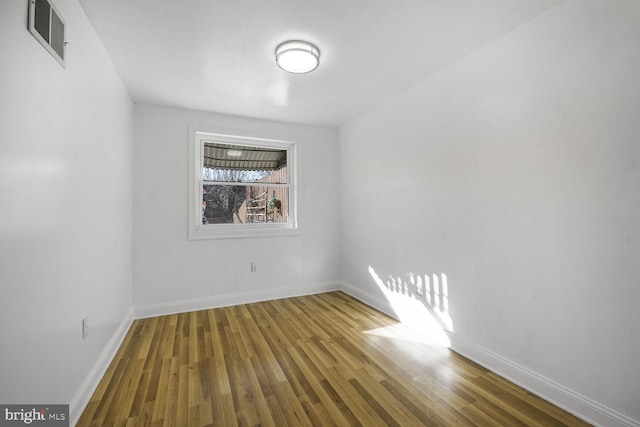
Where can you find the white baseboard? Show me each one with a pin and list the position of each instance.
(87, 388)
(380, 304)
(569, 400)
(561, 396)
(228, 300)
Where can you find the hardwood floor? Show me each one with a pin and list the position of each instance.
(317, 360)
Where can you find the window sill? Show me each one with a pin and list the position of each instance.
(231, 231)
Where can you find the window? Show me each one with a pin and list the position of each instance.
(241, 186)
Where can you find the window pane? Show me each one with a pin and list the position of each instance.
(239, 163)
(244, 204)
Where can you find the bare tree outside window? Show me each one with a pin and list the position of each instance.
(223, 202)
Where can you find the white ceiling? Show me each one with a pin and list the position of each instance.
(218, 55)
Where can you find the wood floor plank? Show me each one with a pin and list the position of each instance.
(327, 396)
(318, 360)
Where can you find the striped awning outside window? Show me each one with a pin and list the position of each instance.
(240, 157)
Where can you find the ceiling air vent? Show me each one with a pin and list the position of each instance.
(47, 26)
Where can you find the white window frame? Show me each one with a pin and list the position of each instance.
(197, 231)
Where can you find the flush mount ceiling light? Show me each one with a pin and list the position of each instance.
(298, 57)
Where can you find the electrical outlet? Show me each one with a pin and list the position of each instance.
(254, 267)
(85, 327)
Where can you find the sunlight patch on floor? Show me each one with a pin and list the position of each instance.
(420, 304)
(404, 332)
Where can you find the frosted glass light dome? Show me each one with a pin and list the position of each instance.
(298, 57)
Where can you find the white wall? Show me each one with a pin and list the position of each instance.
(65, 208)
(172, 273)
(516, 172)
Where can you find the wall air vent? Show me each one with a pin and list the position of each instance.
(46, 25)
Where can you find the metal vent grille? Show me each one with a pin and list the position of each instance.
(48, 27)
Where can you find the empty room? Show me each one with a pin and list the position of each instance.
(361, 212)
